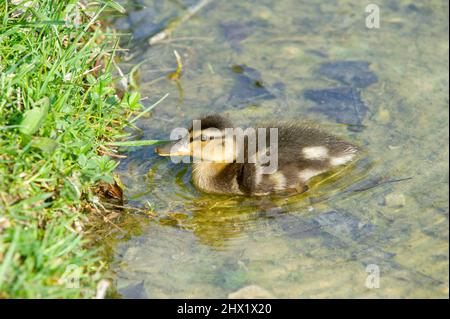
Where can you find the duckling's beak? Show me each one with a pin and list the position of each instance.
(175, 148)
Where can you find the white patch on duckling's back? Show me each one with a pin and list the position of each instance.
(308, 173)
(315, 152)
(279, 179)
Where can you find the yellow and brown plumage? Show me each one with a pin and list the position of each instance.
(304, 151)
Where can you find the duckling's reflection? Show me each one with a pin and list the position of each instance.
(218, 221)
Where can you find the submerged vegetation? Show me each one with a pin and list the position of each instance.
(59, 111)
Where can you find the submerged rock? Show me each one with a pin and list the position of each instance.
(235, 32)
(438, 231)
(248, 87)
(251, 292)
(395, 200)
(136, 291)
(344, 225)
(298, 227)
(142, 23)
(344, 105)
(351, 73)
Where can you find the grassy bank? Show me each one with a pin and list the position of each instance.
(58, 111)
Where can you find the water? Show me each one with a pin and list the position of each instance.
(385, 89)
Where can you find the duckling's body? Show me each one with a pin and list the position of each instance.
(304, 151)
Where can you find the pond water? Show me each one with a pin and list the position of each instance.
(384, 88)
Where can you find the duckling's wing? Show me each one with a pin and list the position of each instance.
(305, 151)
(310, 143)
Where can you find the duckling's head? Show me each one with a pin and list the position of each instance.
(206, 140)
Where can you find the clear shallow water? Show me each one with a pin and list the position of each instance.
(392, 99)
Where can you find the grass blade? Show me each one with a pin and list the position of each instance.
(136, 143)
(151, 107)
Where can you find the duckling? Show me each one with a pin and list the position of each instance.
(255, 164)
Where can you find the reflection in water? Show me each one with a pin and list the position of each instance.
(216, 219)
(384, 89)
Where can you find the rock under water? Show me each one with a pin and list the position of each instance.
(136, 291)
(344, 225)
(344, 105)
(352, 73)
(234, 32)
(248, 88)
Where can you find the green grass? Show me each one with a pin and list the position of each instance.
(58, 112)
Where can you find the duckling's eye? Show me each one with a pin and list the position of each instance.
(204, 137)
